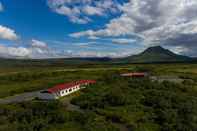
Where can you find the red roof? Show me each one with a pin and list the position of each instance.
(69, 85)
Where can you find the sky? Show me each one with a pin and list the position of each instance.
(96, 28)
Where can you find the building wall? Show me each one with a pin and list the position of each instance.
(52, 96)
(69, 91)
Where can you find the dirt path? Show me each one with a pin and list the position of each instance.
(19, 98)
(69, 106)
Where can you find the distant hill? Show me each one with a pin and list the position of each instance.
(156, 54)
(6, 62)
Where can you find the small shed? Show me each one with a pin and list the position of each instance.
(64, 89)
(134, 74)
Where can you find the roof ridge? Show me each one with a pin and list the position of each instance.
(63, 86)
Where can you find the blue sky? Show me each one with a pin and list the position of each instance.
(88, 28)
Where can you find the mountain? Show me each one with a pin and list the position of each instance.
(156, 54)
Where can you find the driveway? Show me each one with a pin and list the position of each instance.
(19, 98)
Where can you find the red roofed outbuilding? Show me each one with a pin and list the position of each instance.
(64, 89)
(135, 74)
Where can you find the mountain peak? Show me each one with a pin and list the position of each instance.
(156, 49)
(157, 54)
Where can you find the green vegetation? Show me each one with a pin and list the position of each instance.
(49, 116)
(114, 103)
(143, 105)
(24, 79)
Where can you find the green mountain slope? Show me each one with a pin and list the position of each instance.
(156, 54)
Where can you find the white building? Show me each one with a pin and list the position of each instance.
(64, 89)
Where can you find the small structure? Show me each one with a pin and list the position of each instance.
(64, 89)
(134, 74)
(174, 79)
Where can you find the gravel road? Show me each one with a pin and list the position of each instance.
(19, 98)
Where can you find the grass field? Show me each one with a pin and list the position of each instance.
(19, 80)
(113, 104)
(30, 79)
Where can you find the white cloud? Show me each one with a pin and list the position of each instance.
(179, 49)
(18, 52)
(90, 10)
(1, 7)
(80, 11)
(40, 49)
(121, 26)
(38, 44)
(7, 33)
(157, 22)
(72, 14)
(13, 52)
(86, 54)
(142, 17)
(123, 41)
(37, 49)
